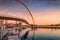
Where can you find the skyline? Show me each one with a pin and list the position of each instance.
(44, 12)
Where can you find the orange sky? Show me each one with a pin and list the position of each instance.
(47, 17)
(41, 17)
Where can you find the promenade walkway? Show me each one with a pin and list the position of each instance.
(14, 37)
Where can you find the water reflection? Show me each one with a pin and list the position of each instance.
(45, 34)
(39, 34)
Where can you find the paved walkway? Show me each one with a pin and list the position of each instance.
(15, 37)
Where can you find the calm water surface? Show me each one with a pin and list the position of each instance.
(45, 34)
(41, 34)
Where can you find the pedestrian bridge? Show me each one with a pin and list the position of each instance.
(13, 18)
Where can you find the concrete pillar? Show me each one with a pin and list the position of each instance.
(6, 23)
(16, 25)
(20, 24)
(1, 22)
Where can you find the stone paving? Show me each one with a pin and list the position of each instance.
(13, 37)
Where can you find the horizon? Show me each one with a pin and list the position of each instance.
(44, 12)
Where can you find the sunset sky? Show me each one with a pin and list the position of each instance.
(43, 11)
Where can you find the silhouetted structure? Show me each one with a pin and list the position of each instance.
(24, 37)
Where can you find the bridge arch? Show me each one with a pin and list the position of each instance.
(19, 1)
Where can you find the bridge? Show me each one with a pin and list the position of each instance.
(24, 21)
(42, 27)
(28, 25)
(13, 18)
(46, 27)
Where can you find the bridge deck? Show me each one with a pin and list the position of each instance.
(12, 18)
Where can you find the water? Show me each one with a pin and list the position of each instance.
(41, 34)
(45, 34)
